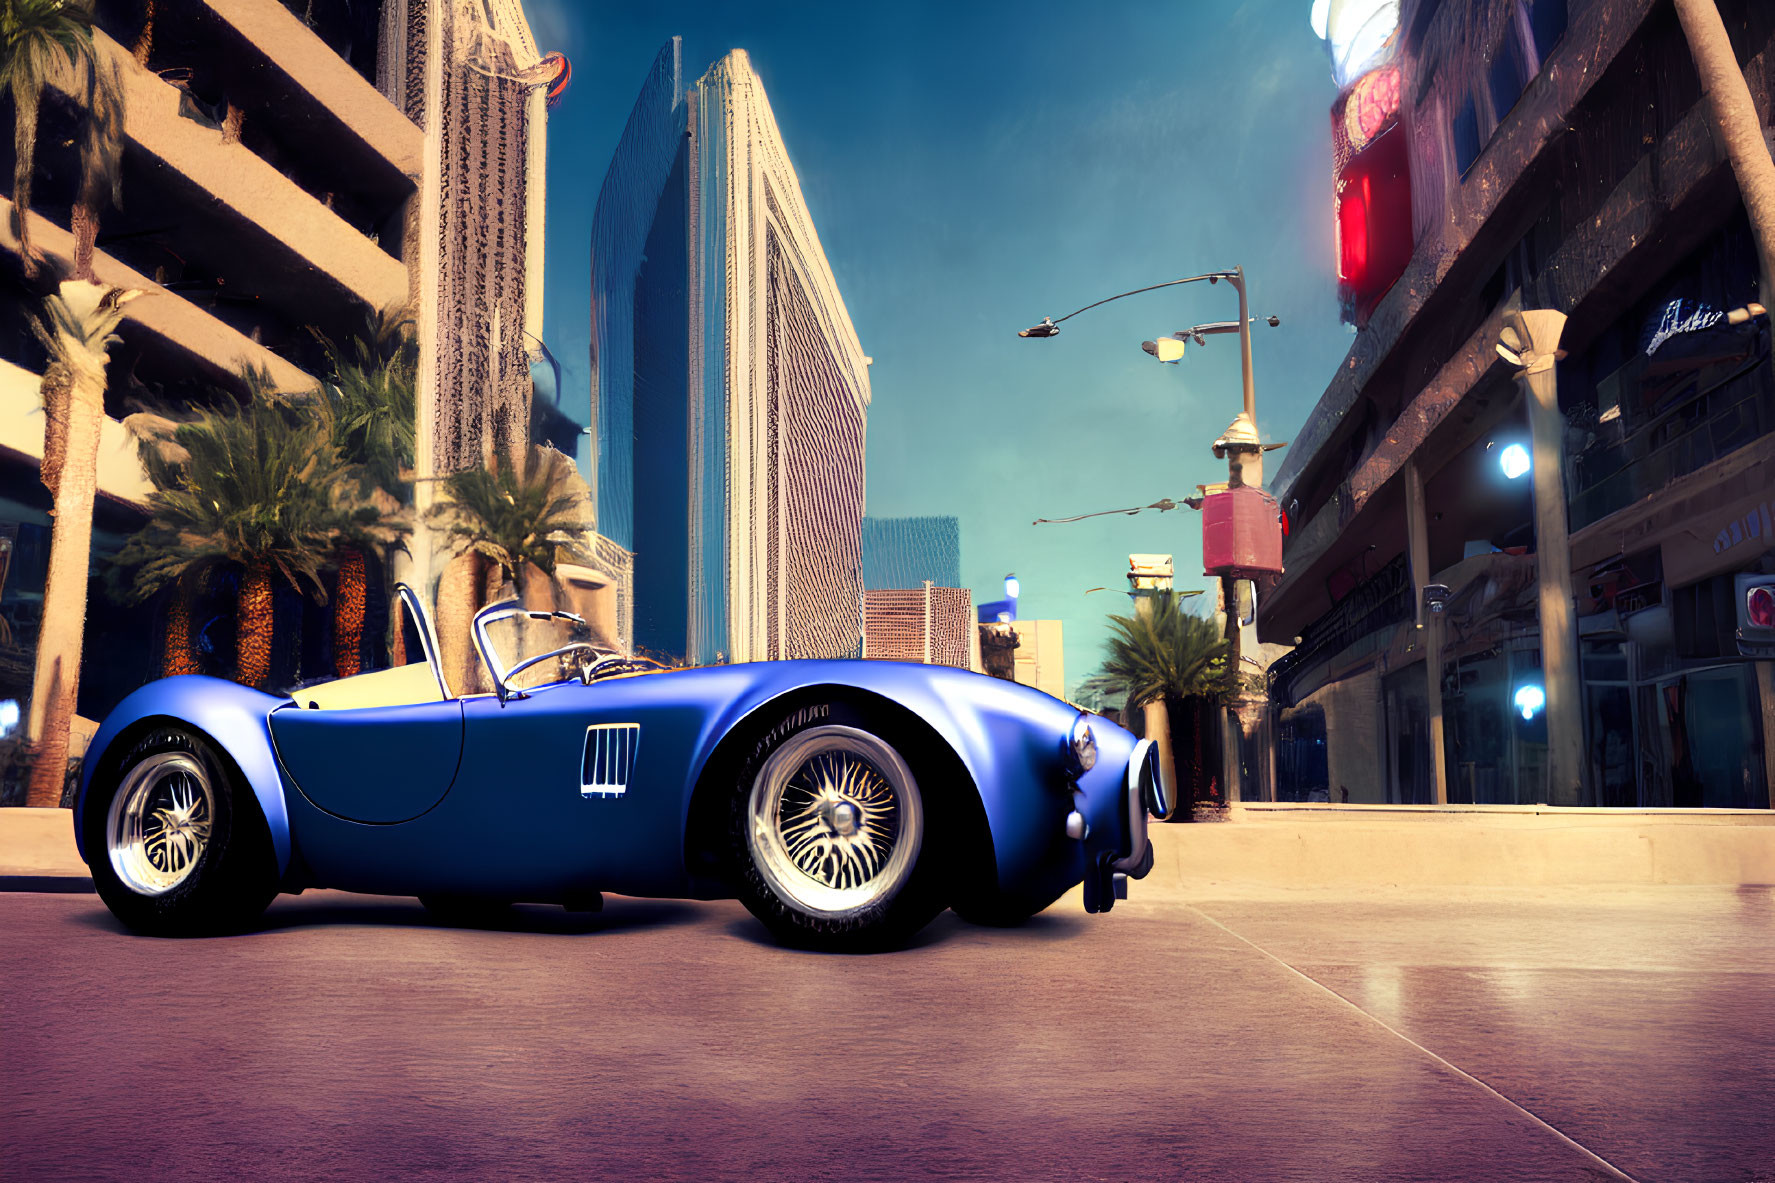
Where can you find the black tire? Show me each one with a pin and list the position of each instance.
(469, 911)
(153, 863)
(831, 773)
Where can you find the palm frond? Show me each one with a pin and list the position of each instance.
(260, 485)
(515, 518)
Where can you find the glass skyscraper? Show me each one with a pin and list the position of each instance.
(729, 390)
(905, 552)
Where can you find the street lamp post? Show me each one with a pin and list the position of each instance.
(1243, 451)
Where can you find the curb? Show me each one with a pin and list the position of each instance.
(50, 884)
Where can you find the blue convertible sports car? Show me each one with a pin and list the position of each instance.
(846, 803)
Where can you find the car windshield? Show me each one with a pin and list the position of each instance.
(516, 639)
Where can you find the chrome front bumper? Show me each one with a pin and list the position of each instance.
(1106, 880)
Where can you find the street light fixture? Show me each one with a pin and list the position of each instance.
(1170, 349)
(1242, 532)
(1051, 327)
(1514, 461)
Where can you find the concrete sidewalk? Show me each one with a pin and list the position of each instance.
(1269, 848)
(37, 852)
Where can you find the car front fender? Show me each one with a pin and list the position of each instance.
(1009, 739)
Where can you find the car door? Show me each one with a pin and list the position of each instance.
(376, 764)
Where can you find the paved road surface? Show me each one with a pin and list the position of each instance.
(1520, 1036)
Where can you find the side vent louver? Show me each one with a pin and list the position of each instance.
(609, 759)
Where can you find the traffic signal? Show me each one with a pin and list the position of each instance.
(1756, 615)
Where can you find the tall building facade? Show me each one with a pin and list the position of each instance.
(286, 172)
(906, 552)
(470, 77)
(1495, 158)
(729, 391)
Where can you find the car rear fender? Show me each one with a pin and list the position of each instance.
(231, 715)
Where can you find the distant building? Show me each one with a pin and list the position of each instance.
(1039, 660)
(931, 625)
(729, 390)
(1148, 573)
(906, 552)
(1533, 155)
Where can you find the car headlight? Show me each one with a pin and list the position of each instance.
(1082, 745)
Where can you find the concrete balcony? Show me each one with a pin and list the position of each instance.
(21, 431)
(267, 230)
(325, 80)
(214, 349)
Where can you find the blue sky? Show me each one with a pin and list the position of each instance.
(971, 169)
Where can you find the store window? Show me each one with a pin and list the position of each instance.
(1507, 77)
(1608, 731)
(1495, 750)
(1712, 740)
(1465, 133)
(1302, 767)
(1410, 779)
(1672, 386)
(1546, 21)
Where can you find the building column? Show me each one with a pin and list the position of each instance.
(1766, 701)
(1531, 340)
(1430, 628)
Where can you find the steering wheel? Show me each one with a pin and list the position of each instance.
(580, 657)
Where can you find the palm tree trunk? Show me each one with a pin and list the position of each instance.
(1736, 125)
(25, 98)
(1158, 729)
(145, 43)
(457, 592)
(1197, 757)
(181, 655)
(58, 393)
(536, 589)
(55, 687)
(348, 613)
(85, 225)
(254, 624)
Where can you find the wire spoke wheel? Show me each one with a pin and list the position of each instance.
(160, 821)
(834, 822)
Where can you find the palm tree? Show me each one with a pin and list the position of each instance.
(258, 492)
(505, 525)
(370, 406)
(35, 37)
(76, 329)
(520, 521)
(1163, 653)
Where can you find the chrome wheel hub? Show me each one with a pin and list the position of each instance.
(836, 821)
(159, 823)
